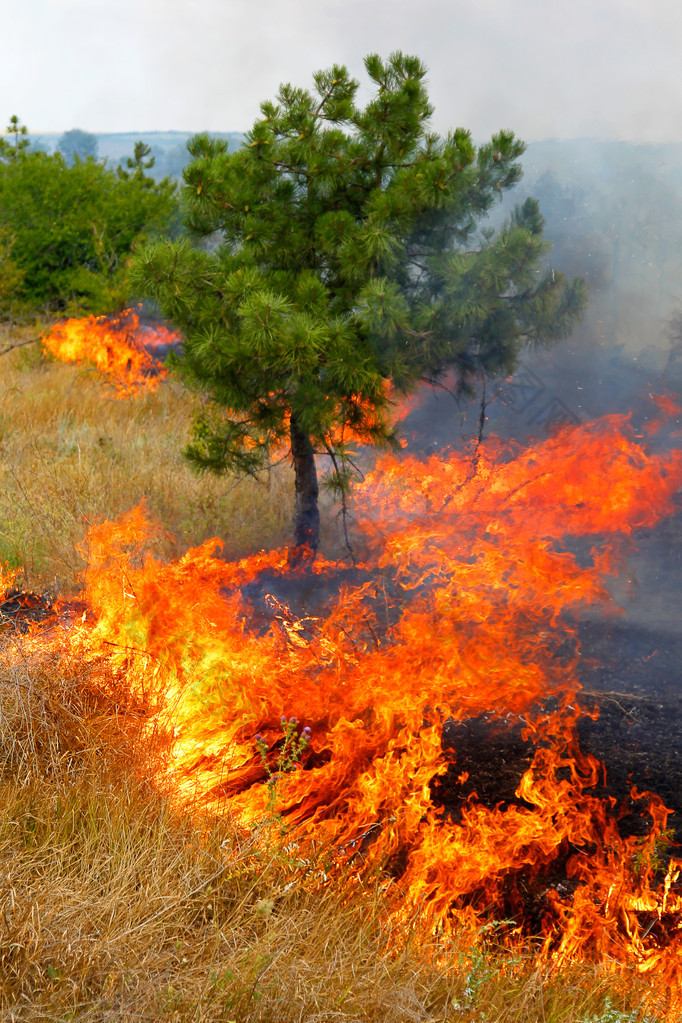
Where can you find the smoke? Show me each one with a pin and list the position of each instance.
(599, 69)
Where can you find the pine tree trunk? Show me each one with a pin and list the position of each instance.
(306, 509)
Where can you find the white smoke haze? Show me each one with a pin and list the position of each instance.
(595, 68)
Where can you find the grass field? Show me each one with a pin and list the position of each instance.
(114, 906)
(71, 453)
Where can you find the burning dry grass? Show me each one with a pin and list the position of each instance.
(71, 454)
(114, 906)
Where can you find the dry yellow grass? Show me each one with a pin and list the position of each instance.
(114, 906)
(72, 454)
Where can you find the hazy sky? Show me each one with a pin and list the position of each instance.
(543, 68)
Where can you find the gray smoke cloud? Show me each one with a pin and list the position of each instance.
(595, 68)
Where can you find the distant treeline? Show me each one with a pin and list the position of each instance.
(169, 148)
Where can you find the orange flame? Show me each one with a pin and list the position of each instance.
(116, 346)
(460, 613)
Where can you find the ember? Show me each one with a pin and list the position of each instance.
(455, 640)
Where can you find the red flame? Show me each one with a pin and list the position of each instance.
(460, 611)
(116, 346)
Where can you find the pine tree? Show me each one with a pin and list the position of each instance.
(345, 249)
(18, 132)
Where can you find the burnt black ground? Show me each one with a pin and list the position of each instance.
(631, 675)
(636, 676)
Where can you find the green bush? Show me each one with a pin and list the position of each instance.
(66, 230)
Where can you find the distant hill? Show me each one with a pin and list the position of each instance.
(168, 147)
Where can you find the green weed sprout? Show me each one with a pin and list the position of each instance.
(292, 749)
